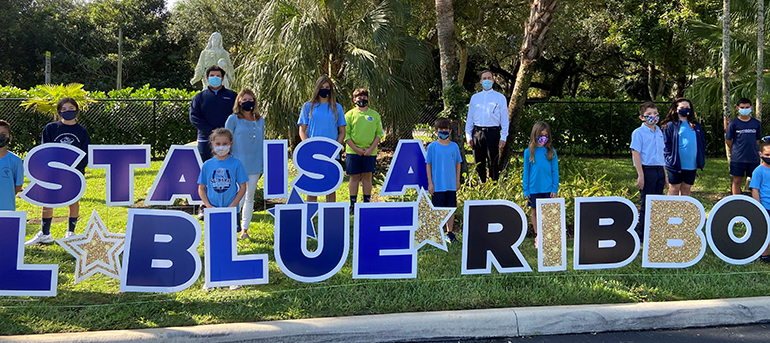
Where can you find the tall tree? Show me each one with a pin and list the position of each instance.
(760, 56)
(726, 67)
(445, 31)
(532, 45)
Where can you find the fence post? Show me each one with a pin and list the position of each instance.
(612, 132)
(154, 126)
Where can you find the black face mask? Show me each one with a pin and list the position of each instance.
(766, 159)
(362, 102)
(323, 92)
(4, 141)
(247, 106)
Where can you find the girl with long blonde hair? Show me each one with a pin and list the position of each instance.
(541, 170)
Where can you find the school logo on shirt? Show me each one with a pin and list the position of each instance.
(369, 118)
(66, 138)
(6, 172)
(221, 180)
(746, 131)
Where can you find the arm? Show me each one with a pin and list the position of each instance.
(525, 175)
(469, 125)
(377, 137)
(555, 175)
(429, 170)
(637, 157)
(457, 173)
(503, 109)
(755, 194)
(17, 189)
(341, 134)
(231, 123)
(729, 143)
(371, 148)
(303, 132)
(353, 146)
(204, 197)
(241, 191)
(196, 116)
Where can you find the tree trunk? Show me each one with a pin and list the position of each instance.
(651, 80)
(445, 31)
(532, 45)
(726, 67)
(760, 56)
(463, 49)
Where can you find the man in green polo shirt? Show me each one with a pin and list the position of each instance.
(362, 134)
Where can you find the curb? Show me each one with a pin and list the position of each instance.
(467, 324)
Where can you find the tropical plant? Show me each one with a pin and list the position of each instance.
(356, 43)
(43, 98)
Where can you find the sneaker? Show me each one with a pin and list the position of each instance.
(235, 287)
(764, 259)
(39, 238)
(68, 234)
(450, 237)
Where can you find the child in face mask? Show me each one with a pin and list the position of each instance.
(742, 138)
(541, 170)
(223, 179)
(443, 166)
(362, 134)
(760, 185)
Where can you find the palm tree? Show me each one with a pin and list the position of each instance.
(43, 98)
(356, 43)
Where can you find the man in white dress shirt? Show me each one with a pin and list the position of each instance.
(486, 127)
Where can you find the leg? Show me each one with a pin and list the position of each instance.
(331, 197)
(737, 183)
(480, 154)
(493, 154)
(533, 218)
(47, 218)
(685, 190)
(312, 198)
(247, 204)
(450, 201)
(74, 212)
(674, 189)
(353, 187)
(366, 185)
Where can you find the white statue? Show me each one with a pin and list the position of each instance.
(214, 54)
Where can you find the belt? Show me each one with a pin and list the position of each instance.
(486, 128)
(651, 167)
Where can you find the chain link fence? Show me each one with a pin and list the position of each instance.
(584, 128)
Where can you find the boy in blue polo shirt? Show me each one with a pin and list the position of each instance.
(742, 138)
(760, 186)
(443, 167)
(11, 170)
(647, 154)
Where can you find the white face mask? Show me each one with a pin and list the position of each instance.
(222, 150)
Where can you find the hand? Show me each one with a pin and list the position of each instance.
(665, 184)
(359, 151)
(640, 182)
(554, 195)
(458, 185)
(501, 144)
(368, 152)
(430, 188)
(470, 143)
(526, 198)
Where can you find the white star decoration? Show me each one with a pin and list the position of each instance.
(96, 250)
(430, 223)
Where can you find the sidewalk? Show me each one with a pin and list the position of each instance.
(427, 326)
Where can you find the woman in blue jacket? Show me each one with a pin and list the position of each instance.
(684, 146)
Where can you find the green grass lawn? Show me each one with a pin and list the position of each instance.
(97, 304)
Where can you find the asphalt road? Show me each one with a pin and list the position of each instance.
(745, 334)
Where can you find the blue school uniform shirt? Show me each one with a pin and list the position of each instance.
(760, 180)
(744, 135)
(688, 147)
(322, 124)
(75, 135)
(649, 144)
(443, 160)
(11, 175)
(541, 176)
(222, 179)
(247, 142)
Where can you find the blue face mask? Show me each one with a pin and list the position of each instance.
(215, 81)
(684, 112)
(744, 111)
(443, 134)
(487, 84)
(69, 115)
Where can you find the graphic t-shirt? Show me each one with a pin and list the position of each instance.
(222, 179)
(11, 175)
(362, 128)
(443, 160)
(688, 147)
(75, 135)
(322, 123)
(744, 135)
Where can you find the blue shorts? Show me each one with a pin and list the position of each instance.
(533, 198)
(686, 176)
(742, 169)
(357, 164)
(445, 199)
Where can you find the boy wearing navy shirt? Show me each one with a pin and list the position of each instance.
(647, 154)
(443, 167)
(11, 170)
(742, 138)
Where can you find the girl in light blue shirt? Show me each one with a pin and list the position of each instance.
(541, 170)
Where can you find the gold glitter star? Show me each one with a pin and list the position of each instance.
(96, 251)
(430, 223)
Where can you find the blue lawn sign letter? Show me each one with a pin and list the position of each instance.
(19, 279)
(177, 178)
(276, 168)
(383, 243)
(291, 252)
(119, 161)
(54, 181)
(159, 253)
(224, 267)
(407, 169)
(318, 172)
